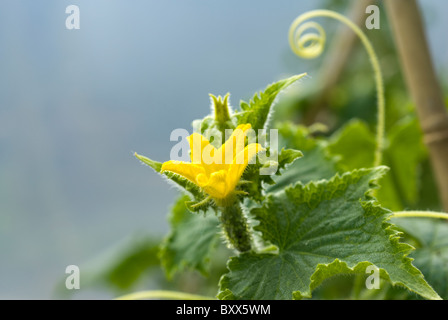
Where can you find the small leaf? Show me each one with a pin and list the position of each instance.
(257, 111)
(286, 157)
(256, 180)
(322, 229)
(316, 163)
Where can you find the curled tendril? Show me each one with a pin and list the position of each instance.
(311, 45)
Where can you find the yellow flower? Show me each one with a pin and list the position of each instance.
(216, 171)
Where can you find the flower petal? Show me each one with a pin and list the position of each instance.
(217, 186)
(202, 180)
(240, 163)
(215, 177)
(233, 145)
(187, 170)
(204, 153)
(197, 144)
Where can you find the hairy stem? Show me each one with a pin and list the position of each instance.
(235, 227)
(420, 214)
(311, 46)
(162, 294)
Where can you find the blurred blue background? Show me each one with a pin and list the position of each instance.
(76, 104)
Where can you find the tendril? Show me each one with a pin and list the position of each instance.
(163, 294)
(420, 214)
(311, 45)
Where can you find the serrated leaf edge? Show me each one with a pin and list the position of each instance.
(390, 229)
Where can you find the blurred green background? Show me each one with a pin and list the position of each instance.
(76, 104)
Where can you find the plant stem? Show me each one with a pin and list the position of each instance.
(423, 85)
(235, 227)
(162, 294)
(423, 214)
(311, 46)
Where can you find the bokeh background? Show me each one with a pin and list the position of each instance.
(76, 104)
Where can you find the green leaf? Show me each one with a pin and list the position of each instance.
(257, 111)
(191, 242)
(316, 163)
(134, 263)
(286, 157)
(252, 173)
(321, 230)
(431, 255)
(404, 156)
(355, 144)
